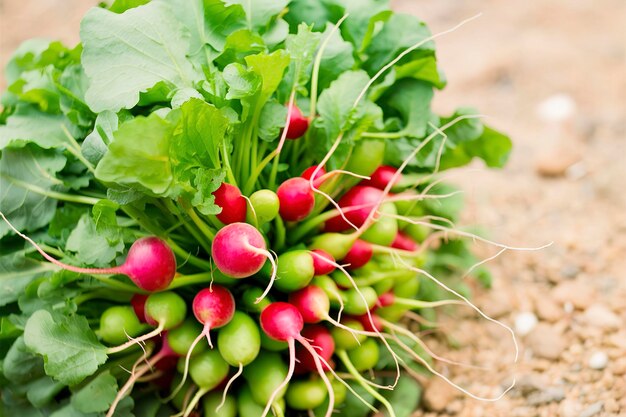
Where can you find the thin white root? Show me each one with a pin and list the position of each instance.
(322, 374)
(137, 340)
(272, 277)
(227, 387)
(292, 363)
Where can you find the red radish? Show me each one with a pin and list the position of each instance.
(404, 242)
(371, 322)
(150, 262)
(213, 307)
(308, 173)
(357, 204)
(298, 124)
(359, 254)
(138, 301)
(385, 299)
(161, 360)
(233, 204)
(322, 341)
(296, 199)
(312, 303)
(323, 262)
(283, 322)
(382, 177)
(239, 250)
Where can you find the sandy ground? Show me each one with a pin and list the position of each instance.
(564, 184)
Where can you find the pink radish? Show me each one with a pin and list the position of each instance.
(298, 124)
(239, 250)
(283, 322)
(357, 203)
(150, 262)
(138, 301)
(323, 343)
(359, 254)
(323, 262)
(383, 175)
(385, 299)
(404, 242)
(233, 204)
(213, 307)
(296, 199)
(308, 173)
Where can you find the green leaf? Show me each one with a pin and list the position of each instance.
(221, 19)
(30, 125)
(411, 98)
(37, 87)
(139, 155)
(259, 12)
(38, 54)
(400, 32)
(70, 349)
(42, 391)
(206, 182)
(120, 6)
(26, 174)
(270, 68)
(272, 120)
(64, 220)
(240, 44)
(335, 103)
(405, 397)
(424, 69)
(360, 12)
(90, 246)
(20, 364)
(16, 272)
(96, 143)
(241, 82)
(337, 58)
(97, 395)
(126, 54)
(301, 48)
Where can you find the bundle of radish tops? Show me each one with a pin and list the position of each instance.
(228, 208)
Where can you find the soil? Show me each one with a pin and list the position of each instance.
(553, 75)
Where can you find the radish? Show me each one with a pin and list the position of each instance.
(208, 370)
(150, 262)
(404, 242)
(359, 254)
(118, 324)
(138, 301)
(239, 250)
(233, 204)
(308, 173)
(165, 352)
(323, 343)
(165, 310)
(295, 270)
(357, 204)
(282, 321)
(381, 177)
(298, 124)
(213, 307)
(323, 262)
(296, 199)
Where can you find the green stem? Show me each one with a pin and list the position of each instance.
(194, 260)
(118, 284)
(229, 170)
(384, 135)
(185, 280)
(407, 302)
(375, 278)
(343, 355)
(75, 150)
(204, 228)
(281, 233)
(310, 225)
(52, 194)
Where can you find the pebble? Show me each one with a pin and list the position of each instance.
(618, 340)
(592, 410)
(548, 310)
(557, 108)
(570, 408)
(598, 360)
(438, 394)
(576, 292)
(555, 162)
(525, 322)
(599, 316)
(546, 342)
(547, 395)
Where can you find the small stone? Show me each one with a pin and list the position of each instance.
(570, 408)
(598, 360)
(557, 108)
(570, 271)
(548, 395)
(438, 394)
(611, 406)
(618, 339)
(599, 316)
(546, 342)
(555, 162)
(592, 410)
(547, 310)
(530, 383)
(576, 292)
(525, 322)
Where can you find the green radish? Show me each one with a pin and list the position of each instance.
(118, 323)
(365, 356)
(306, 395)
(212, 401)
(239, 341)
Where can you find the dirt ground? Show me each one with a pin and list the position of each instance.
(553, 75)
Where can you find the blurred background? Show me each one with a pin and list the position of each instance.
(553, 75)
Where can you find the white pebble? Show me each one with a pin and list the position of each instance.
(598, 360)
(568, 307)
(525, 322)
(557, 108)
